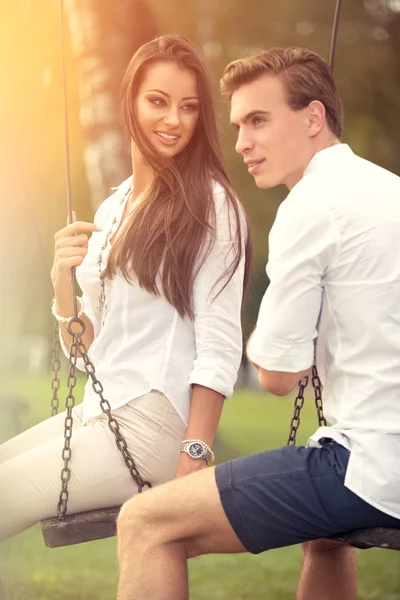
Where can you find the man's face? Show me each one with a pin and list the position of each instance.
(273, 139)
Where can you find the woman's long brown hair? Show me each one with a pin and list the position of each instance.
(167, 239)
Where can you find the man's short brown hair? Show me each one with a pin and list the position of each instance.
(305, 75)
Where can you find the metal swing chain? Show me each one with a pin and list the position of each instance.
(68, 424)
(78, 348)
(299, 403)
(55, 367)
(316, 383)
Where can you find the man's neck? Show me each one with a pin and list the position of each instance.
(325, 140)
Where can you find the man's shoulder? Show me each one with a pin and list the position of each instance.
(309, 193)
(368, 170)
(309, 184)
(343, 180)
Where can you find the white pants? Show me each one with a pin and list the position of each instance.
(31, 463)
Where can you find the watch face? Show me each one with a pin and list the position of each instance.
(195, 450)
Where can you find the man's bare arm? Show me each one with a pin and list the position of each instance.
(278, 383)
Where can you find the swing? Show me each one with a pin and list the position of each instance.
(66, 529)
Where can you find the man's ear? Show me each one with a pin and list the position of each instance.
(316, 116)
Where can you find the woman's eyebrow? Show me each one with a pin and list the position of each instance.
(168, 96)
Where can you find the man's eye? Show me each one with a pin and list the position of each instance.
(258, 120)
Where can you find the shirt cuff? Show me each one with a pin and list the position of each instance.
(277, 355)
(219, 376)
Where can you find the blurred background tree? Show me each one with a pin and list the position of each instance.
(103, 37)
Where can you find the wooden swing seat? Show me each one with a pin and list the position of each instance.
(378, 537)
(81, 527)
(100, 524)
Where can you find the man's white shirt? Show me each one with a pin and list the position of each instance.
(334, 270)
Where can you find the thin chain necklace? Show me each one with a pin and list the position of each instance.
(102, 272)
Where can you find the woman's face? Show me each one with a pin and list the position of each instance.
(167, 107)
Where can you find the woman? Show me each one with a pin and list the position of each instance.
(162, 280)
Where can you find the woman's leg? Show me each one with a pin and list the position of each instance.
(39, 434)
(30, 482)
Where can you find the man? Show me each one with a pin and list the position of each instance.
(334, 269)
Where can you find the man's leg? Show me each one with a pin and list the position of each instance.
(273, 499)
(329, 571)
(160, 529)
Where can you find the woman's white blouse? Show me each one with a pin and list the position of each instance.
(140, 341)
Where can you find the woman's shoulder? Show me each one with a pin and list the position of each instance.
(110, 205)
(226, 217)
(219, 193)
(222, 201)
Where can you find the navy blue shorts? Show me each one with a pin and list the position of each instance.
(292, 495)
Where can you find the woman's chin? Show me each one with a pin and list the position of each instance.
(168, 152)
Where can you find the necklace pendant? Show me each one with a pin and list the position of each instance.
(102, 297)
(102, 273)
(102, 294)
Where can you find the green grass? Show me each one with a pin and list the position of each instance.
(251, 422)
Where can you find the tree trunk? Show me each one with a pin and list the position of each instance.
(104, 36)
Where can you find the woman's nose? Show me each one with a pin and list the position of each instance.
(172, 118)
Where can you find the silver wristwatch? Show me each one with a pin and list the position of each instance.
(198, 449)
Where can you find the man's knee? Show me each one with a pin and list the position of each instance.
(320, 547)
(142, 525)
(149, 516)
(134, 517)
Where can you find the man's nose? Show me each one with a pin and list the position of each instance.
(243, 143)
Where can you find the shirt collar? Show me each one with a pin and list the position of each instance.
(329, 157)
(123, 189)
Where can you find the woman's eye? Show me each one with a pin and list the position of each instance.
(190, 107)
(157, 101)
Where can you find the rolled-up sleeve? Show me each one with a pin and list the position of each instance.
(303, 244)
(217, 323)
